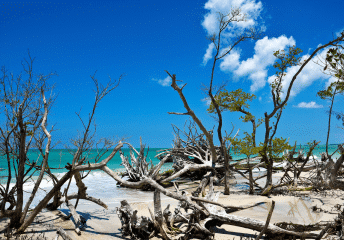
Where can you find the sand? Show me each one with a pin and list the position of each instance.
(104, 224)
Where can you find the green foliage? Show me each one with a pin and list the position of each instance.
(284, 60)
(233, 101)
(335, 59)
(277, 147)
(331, 91)
(244, 146)
(334, 64)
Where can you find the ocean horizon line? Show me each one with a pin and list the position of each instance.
(305, 144)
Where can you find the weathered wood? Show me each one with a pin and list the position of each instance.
(256, 225)
(267, 220)
(191, 113)
(322, 233)
(152, 183)
(202, 185)
(78, 221)
(43, 203)
(63, 233)
(132, 225)
(158, 215)
(45, 160)
(88, 198)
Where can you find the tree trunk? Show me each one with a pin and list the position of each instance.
(329, 122)
(251, 180)
(268, 184)
(227, 173)
(44, 202)
(337, 165)
(15, 220)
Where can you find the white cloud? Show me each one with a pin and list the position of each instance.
(206, 100)
(309, 74)
(338, 34)
(208, 54)
(308, 105)
(248, 7)
(164, 82)
(256, 67)
(330, 80)
(230, 61)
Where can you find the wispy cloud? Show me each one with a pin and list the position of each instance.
(310, 73)
(256, 67)
(206, 100)
(250, 8)
(164, 82)
(208, 54)
(339, 32)
(308, 105)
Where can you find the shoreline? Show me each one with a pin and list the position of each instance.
(105, 224)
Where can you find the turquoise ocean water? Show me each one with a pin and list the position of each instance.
(58, 159)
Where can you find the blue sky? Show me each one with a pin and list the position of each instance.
(141, 39)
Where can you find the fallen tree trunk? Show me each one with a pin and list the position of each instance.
(63, 234)
(253, 224)
(202, 217)
(79, 222)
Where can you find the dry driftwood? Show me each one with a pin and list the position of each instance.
(202, 218)
(267, 221)
(193, 158)
(63, 233)
(79, 221)
(137, 167)
(132, 225)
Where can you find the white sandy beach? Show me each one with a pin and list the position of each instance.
(104, 224)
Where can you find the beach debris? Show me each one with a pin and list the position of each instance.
(267, 221)
(137, 169)
(192, 158)
(63, 233)
(201, 219)
(79, 221)
(132, 225)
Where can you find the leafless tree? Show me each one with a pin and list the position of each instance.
(25, 121)
(220, 51)
(25, 111)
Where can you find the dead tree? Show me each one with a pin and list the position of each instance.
(84, 144)
(199, 221)
(327, 172)
(137, 168)
(25, 111)
(211, 156)
(192, 158)
(224, 20)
